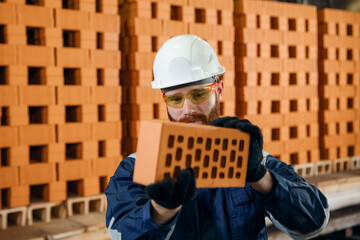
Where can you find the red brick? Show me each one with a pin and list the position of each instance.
(73, 57)
(9, 95)
(74, 95)
(9, 177)
(37, 95)
(29, 175)
(8, 54)
(19, 196)
(70, 19)
(44, 16)
(74, 170)
(57, 191)
(74, 132)
(8, 13)
(106, 130)
(37, 134)
(44, 55)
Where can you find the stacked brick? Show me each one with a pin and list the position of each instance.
(339, 71)
(145, 26)
(59, 99)
(276, 76)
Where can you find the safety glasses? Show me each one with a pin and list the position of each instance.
(196, 96)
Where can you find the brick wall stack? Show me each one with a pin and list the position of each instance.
(339, 71)
(276, 76)
(146, 25)
(59, 99)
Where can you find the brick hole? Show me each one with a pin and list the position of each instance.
(73, 151)
(225, 144)
(156, 111)
(101, 113)
(206, 161)
(234, 142)
(39, 193)
(292, 79)
(74, 188)
(196, 172)
(101, 149)
(37, 115)
(38, 154)
(239, 162)
(72, 76)
(208, 144)
(100, 77)
(14, 219)
(292, 24)
(71, 38)
(241, 145)
(167, 175)
(153, 10)
(39, 215)
(176, 13)
(99, 40)
(94, 205)
(70, 4)
(4, 116)
(231, 172)
(275, 79)
(176, 171)
(171, 141)
(180, 139)
(168, 160)
(35, 36)
(188, 160)
(99, 6)
(213, 172)
(5, 195)
(274, 23)
(293, 132)
(103, 183)
(199, 140)
(199, 15)
(223, 162)
(232, 156)
(294, 158)
(205, 175)
(219, 17)
(237, 175)
(178, 154)
(197, 155)
(4, 75)
(274, 51)
(292, 52)
(3, 34)
(36, 76)
(216, 155)
(217, 141)
(190, 142)
(73, 114)
(5, 157)
(221, 175)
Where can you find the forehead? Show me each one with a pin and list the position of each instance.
(186, 89)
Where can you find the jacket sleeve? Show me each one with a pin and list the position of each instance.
(128, 208)
(294, 206)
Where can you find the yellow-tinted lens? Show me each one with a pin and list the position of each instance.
(175, 100)
(200, 95)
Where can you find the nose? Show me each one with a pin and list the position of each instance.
(188, 107)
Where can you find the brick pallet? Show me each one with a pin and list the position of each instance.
(60, 111)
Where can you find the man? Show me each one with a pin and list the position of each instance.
(186, 69)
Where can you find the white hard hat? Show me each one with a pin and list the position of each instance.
(183, 60)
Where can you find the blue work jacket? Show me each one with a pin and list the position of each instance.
(294, 206)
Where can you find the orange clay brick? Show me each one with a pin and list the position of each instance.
(217, 155)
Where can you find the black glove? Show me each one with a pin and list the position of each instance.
(255, 170)
(169, 194)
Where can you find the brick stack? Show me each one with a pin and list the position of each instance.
(276, 76)
(59, 99)
(146, 25)
(339, 71)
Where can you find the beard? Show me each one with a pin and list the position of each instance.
(214, 113)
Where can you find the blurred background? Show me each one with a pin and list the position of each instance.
(75, 82)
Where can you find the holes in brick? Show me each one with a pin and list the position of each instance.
(36, 76)
(39, 192)
(73, 114)
(4, 75)
(306, 25)
(156, 111)
(176, 171)
(294, 158)
(35, 36)
(258, 50)
(223, 162)
(307, 76)
(199, 140)
(275, 134)
(72, 76)
(205, 175)
(241, 145)
(216, 155)
(99, 40)
(275, 79)
(231, 172)
(188, 160)
(293, 106)
(38, 154)
(217, 141)
(239, 162)
(306, 52)
(171, 141)
(2, 34)
(219, 17)
(208, 144)
(176, 13)
(197, 155)
(349, 30)
(71, 38)
(293, 132)
(5, 157)
(73, 151)
(200, 15)
(351, 151)
(103, 183)
(178, 154)
(167, 175)
(232, 156)
(180, 139)
(234, 142)
(99, 6)
(74, 188)
(258, 108)
(350, 103)
(259, 79)
(37, 115)
(349, 54)
(154, 44)
(350, 127)
(196, 172)
(337, 29)
(349, 79)
(337, 54)
(4, 116)
(274, 23)
(308, 104)
(190, 142)
(153, 10)
(101, 113)
(5, 197)
(292, 24)
(70, 4)
(292, 51)
(100, 77)
(292, 79)
(206, 161)
(101, 148)
(225, 144)
(274, 51)
(221, 175)
(258, 25)
(238, 175)
(213, 172)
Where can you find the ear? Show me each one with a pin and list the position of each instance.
(220, 89)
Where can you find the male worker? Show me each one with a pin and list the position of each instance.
(186, 69)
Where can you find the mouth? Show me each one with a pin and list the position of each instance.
(195, 122)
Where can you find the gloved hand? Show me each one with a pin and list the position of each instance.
(255, 170)
(170, 194)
